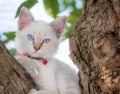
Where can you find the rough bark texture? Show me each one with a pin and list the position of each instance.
(95, 47)
(13, 79)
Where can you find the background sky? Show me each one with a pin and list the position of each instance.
(8, 22)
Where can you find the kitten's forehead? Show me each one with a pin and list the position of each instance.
(38, 28)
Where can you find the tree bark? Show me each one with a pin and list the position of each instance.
(13, 79)
(95, 47)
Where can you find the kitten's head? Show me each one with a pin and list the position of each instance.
(37, 38)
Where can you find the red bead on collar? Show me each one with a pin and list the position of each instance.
(44, 61)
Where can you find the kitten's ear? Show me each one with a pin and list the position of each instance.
(25, 18)
(58, 25)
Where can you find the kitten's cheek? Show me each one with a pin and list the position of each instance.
(32, 52)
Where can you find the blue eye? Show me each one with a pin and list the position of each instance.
(46, 40)
(30, 37)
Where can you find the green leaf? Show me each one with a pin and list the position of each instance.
(83, 2)
(51, 7)
(28, 3)
(68, 32)
(75, 16)
(68, 3)
(10, 36)
(72, 19)
(13, 51)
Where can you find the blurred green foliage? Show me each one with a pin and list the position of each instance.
(54, 8)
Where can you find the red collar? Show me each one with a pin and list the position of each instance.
(44, 61)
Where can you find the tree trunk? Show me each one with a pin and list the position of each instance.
(95, 47)
(13, 79)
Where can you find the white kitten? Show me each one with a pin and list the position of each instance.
(36, 42)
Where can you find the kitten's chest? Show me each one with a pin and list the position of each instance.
(45, 67)
(44, 72)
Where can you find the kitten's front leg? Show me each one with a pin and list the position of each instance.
(30, 66)
(34, 91)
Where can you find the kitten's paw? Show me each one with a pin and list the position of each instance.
(33, 91)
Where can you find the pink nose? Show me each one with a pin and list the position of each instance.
(36, 49)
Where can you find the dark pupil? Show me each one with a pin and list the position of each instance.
(30, 37)
(46, 40)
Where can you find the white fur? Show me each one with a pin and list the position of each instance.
(53, 78)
